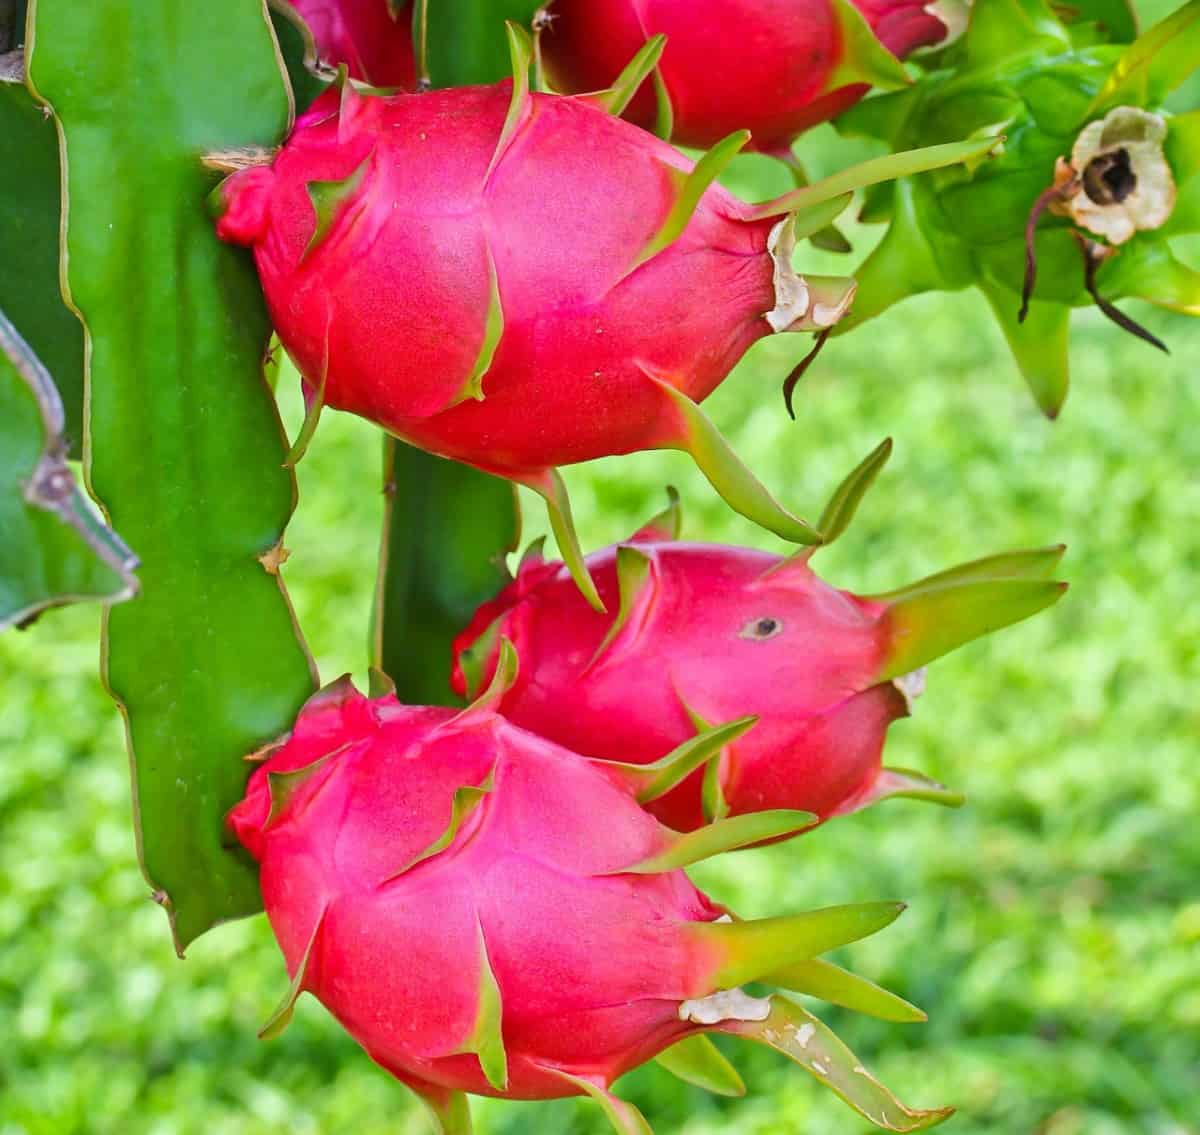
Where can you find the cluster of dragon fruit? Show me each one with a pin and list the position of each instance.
(493, 900)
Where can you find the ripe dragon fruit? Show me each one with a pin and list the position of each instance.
(704, 632)
(773, 67)
(520, 281)
(373, 38)
(1083, 206)
(486, 912)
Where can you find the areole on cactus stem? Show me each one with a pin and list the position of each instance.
(1084, 202)
(700, 633)
(520, 281)
(773, 67)
(486, 912)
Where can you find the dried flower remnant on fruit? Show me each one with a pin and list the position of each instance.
(1125, 182)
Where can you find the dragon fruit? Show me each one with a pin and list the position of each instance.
(705, 632)
(486, 912)
(520, 281)
(1084, 206)
(773, 67)
(373, 38)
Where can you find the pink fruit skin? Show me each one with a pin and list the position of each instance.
(690, 644)
(759, 65)
(390, 306)
(376, 46)
(591, 967)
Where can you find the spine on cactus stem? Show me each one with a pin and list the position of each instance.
(488, 913)
(600, 285)
(809, 677)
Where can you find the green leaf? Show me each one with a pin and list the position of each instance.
(451, 1110)
(487, 1039)
(1000, 28)
(801, 1037)
(1117, 18)
(747, 951)
(1040, 343)
(649, 782)
(849, 494)
(698, 1061)
(549, 485)
(1155, 63)
(664, 526)
(327, 199)
(881, 116)
(466, 799)
(720, 836)
(624, 1117)
(1030, 563)
(819, 978)
(905, 263)
(818, 219)
(282, 787)
(493, 329)
(664, 118)
(636, 588)
(1148, 270)
(887, 168)
(29, 232)
(447, 530)
(696, 435)
(504, 677)
(520, 54)
(54, 549)
(912, 785)
(927, 624)
(689, 188)
(281, 1017)
(186, 446)
(616, 98)
(863, 58)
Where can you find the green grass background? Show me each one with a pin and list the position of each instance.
(1054, 928)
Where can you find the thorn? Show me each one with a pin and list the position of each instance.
(798, 371)
(1095, 254)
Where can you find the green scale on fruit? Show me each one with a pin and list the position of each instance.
(1096, 177)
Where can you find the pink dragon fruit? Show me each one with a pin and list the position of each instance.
(486, 912)
(372, 37)
(704, 632)
(520, 281)
(773, 67)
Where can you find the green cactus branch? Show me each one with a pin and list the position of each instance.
(29, 224)
(55, 550)
(186, 448)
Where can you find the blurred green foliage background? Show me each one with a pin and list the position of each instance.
(1054, 928)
